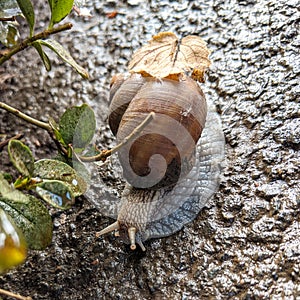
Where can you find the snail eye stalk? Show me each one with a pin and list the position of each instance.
(131, 234)
(110, 228)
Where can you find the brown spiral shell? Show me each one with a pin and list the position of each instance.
(164, 151)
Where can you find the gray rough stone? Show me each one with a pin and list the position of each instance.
(245, 243)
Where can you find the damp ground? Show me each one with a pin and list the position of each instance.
(245, 244)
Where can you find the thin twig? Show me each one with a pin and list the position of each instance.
(25, 117)
(134, 133)
(12, 19)
(4, 143)
(106, 153)
(8, 53)
(35, 122)
(10, 294)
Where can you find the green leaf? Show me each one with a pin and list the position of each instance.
(9, 34)
(13, 247)
(28, 213)
(56, 193)
(51, 169)
(13, 36)
(9, 8)
(22, 183)
(59, 10)
(77, 126)
(43, 55)
(21, 157)
(28, 12)
(64, 55)
(56, 132)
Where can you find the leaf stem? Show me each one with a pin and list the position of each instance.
(134, 133)
(4, 143)
(25, 117)
(8, 53)
(106, 153)
(16, 296)
(35, 122)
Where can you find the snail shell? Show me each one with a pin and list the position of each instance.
(164, 153)
(164, 193)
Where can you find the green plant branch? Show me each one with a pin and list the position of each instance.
(35, 122)
(106, 153)
(8, 53)
(25, 117)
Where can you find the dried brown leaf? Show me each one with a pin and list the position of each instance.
(167, 56)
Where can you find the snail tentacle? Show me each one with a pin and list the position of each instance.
(131, 235)
(112, 227)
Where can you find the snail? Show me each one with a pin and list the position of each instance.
(172, 168)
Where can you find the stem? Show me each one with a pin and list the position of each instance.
(4, 143)
(10, 294)
(12, 19)
(35, 122)
(134, 133)
(106, 153)
(25, 117)
(27, 42)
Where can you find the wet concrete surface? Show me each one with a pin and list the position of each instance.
(245, 244)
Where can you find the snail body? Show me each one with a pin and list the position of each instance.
(172, 167)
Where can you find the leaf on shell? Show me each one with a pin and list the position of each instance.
(166, 56)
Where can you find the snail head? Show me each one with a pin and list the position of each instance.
(129, 234)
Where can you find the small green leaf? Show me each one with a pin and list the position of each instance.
(9, 34)
(22, 183)
(56, 193)
(21, 157)
(56, 132)
(45, 59)
(12, 35)
(59, 10)
(13, 247)
(64, 55)
(28, 213)
(27, 10)
(77, 126)
(51, 169)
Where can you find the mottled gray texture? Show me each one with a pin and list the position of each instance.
(245, 243)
